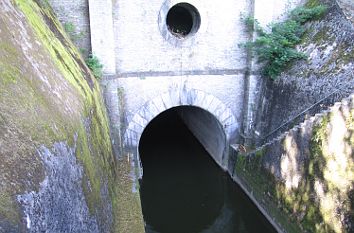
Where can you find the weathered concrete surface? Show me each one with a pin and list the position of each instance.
(209, 131)
(328, 69)
(221, 96)
(267, 11)
(60, 198)
(304, 179)
(102, 41)
(75, 13)
(47, 96)
(140, 44)
(347, 7)
(141, 39)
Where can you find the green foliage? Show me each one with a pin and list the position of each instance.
(69, 27)
(276, 47)
(71, 30)
(304, 14)
(249, 21)
(95, 66)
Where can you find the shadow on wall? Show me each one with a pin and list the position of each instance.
(307, 175)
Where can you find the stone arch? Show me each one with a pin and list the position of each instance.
(176, 98)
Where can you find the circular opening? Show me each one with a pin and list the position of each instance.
(183, 19)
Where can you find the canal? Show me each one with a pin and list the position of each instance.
(184, 191)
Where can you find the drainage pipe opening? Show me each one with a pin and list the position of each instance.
(182, 20)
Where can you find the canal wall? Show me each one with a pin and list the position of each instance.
(74, 16)
(58, 172)
(130, 38)
(55, 139)
(209, 132)
(219, 112)
(311, 85)
(347, 7)
(303, 180)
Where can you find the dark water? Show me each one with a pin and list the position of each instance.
(184, 191)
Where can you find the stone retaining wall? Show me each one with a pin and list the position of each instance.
(304, 178)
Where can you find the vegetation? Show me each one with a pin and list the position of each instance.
(95, 66)
(322, 200)
(71, 29)
(35, 117)
(275, 47)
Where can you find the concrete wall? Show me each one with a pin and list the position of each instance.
(152, 62)
(102, 41)
(304, 179)
(347, 7)
(328, 69)
(143, 46)
(75, 13)
(209, 132)
(141, 40)
(267, 11)
(58, 172)
(134, 102)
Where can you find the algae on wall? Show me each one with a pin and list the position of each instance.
(326, 76)
(305, 180)
(48, 97)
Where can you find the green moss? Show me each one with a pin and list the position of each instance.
(259, 154)
(99, 166)
(262, 185)
(91, 182)
(41, 120)
(8, 208)
(8, 73)
(62, 55)
(312, 3)
(303, 204)
(128, 207)
(323, 36)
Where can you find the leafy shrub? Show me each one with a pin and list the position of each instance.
(95, 66)
(276, 48)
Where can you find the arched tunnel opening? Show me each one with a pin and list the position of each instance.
(183, 189)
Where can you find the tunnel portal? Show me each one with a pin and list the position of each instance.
(202, 125)
(183, 189)
(209, 120)
(180, 180)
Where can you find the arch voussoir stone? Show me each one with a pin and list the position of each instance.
(175, 98)
(179, 97)
(166, 100)
(151, 110)
(187, 97)
(139, 120)
(200, 98)
(159, 104)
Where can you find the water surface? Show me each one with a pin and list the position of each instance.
(184, 191)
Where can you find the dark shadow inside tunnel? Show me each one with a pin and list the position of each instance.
(183, 189)
(179, 181)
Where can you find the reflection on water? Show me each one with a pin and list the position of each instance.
(184, 191)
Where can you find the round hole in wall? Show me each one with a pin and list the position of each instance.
(183, 19)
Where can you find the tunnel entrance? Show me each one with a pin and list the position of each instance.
(183, 189)
(183, 19)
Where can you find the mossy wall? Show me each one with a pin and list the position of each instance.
(48, 95)
(325, 76)
(305, 178)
